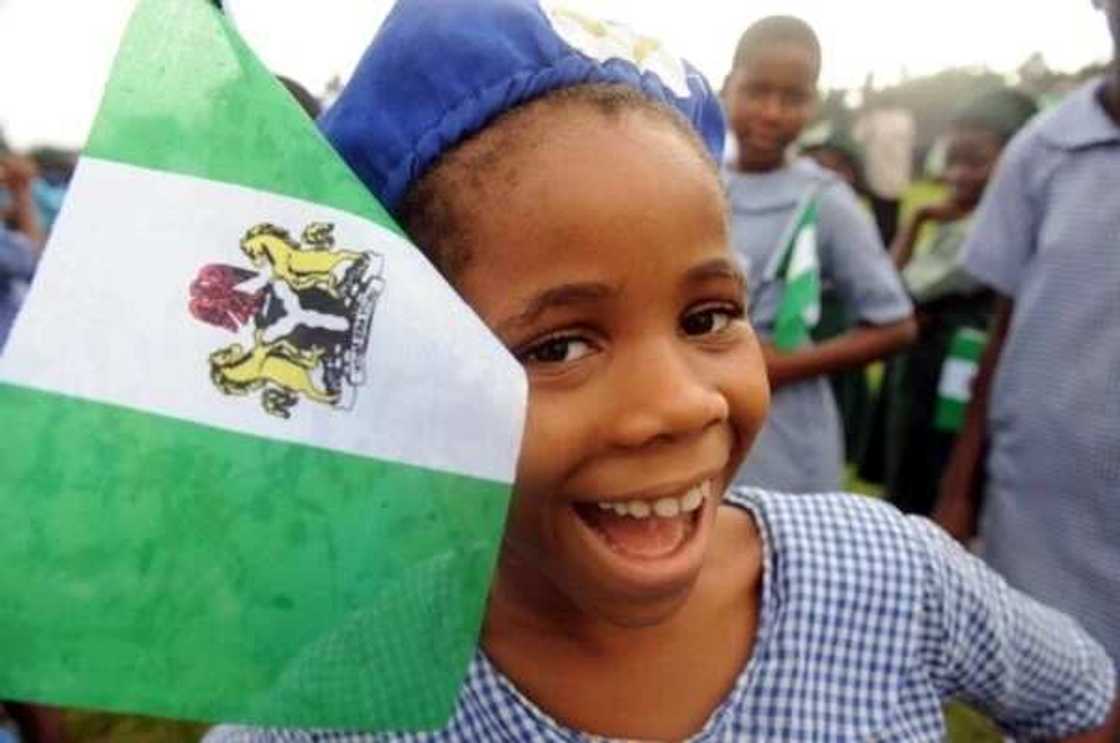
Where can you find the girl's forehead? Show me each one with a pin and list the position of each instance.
(973, 134)
(559, 153)
(603, 200)
(789, 54)
(574, 154)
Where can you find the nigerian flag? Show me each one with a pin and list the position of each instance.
(256, 454)
(958, 373)
(797, 265)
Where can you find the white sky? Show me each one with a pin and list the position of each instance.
(55, 54)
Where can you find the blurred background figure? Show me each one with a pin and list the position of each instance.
(1041, 442)
(21, 241)
(886, 131)
(21, 237)
(927, 386)
(56, 168)
(833, 148)
(777, 203)
(838, 152)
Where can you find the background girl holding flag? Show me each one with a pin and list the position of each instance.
(797, 226)
(926, 388)
(561, 174)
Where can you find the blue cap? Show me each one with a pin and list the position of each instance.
(440, 70)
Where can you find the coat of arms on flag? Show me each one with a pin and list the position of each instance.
(310, 308)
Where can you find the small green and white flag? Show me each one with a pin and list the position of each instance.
(797, 265)
(954, 389)
(257, 454)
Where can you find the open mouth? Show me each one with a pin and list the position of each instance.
(647, 529)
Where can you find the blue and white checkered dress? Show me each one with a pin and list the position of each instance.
(870, 621)
(1048, 236)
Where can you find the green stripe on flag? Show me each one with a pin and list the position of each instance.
(958, 372)
(199, 565)
(187, 95)
(799, 269)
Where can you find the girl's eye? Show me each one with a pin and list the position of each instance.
(558, 350)
(708, 320)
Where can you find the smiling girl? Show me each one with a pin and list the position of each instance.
(575, 204)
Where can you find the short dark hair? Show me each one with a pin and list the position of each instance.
(778, 29)
(432, 211)
(1002, 112)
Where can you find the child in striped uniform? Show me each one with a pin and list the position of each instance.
(770, 96)
(1042, 438)
(951, 305)
(561, 173)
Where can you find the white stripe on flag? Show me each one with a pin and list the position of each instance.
(107, 320)
(956, 379)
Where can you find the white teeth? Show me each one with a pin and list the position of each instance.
(692, 500)
(662, 507)
(639, 509)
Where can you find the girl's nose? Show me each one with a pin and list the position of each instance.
(659, 395)
(771, 107)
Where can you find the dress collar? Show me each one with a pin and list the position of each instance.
(1082, 122)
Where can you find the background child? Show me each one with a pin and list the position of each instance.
(20, 246)
(1047, 239)
(574, 202)
(770, 96)
(839, 153)
(948, 301)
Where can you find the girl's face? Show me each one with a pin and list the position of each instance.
(604, 266)
(970, 160)
(770, 98)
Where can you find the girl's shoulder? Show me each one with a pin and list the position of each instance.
(819, 512)
(785, 187)
(831, 543)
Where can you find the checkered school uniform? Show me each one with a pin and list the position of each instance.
(869, 621)
(1048, 235)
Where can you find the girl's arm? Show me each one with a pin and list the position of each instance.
(1031, 669)
(1108, 733)
(851, 350)
(902, 249)
(962, 482)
